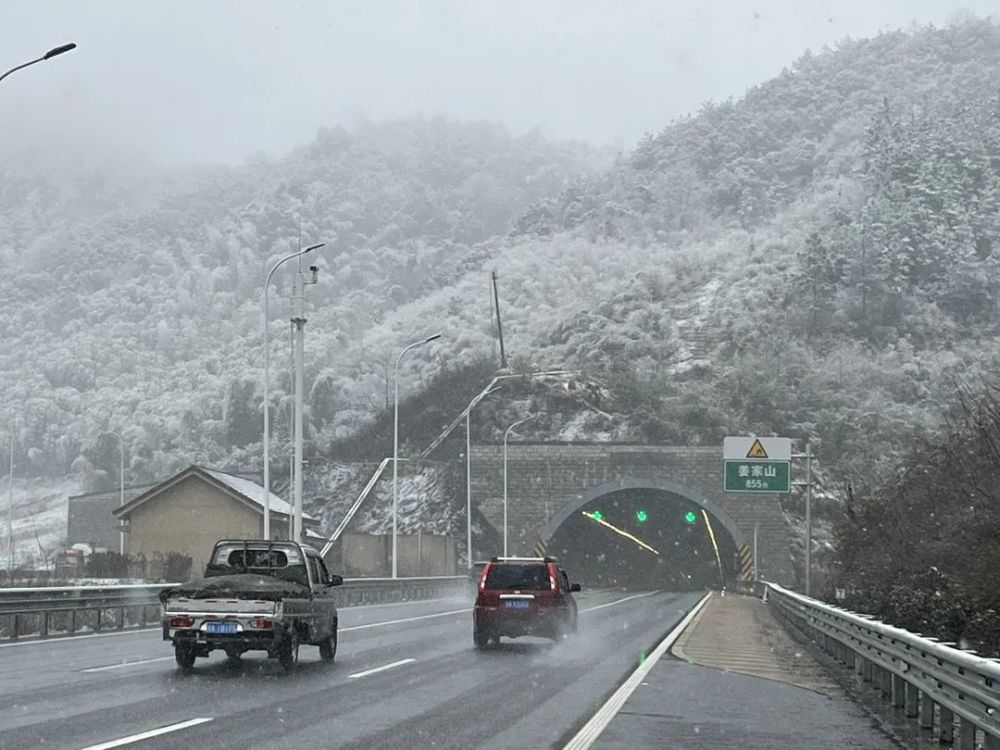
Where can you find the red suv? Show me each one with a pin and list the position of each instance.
(523, 596)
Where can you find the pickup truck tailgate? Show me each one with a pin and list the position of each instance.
(221, 607)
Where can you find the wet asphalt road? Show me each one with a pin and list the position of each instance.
(430, 688)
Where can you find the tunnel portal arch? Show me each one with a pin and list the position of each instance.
(581, 500)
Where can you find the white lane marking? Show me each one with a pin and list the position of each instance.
(619, 601)
(405, 619)
(122, 665)
(60, 638)
(600, 720)
(383, 668)
(151, 733)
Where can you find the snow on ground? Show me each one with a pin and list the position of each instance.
(40, 508)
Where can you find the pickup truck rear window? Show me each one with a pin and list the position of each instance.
(256, 558)
(532, 577)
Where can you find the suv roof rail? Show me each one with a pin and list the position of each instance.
(547, 559)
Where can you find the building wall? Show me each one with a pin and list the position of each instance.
(190, 518)
(370, 555)
(90, 520)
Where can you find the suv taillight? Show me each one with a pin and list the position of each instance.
(552, 577)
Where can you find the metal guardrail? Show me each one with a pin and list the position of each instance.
(918, 674)
(90, 609)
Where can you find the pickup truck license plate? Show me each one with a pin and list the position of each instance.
(516, 604)
(220, 627)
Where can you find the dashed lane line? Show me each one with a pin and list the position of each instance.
(151, 733)
(383, 668)
(123, 664)
(619, 601)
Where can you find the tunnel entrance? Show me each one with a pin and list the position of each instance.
(645, 537)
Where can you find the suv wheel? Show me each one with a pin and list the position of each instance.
(480, 638)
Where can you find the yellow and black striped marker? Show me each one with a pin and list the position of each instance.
(746, 562)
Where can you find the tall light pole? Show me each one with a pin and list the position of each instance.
(121, 488)
(267, 389)
(299, 321)
(395, 450)
(55, 51)
(505, 436)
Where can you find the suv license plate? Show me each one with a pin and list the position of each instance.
(516, 604)
(220, 627)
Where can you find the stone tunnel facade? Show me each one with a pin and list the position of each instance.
(546, 482)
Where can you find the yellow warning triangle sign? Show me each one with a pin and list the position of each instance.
(757, 450)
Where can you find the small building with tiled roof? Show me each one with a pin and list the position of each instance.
(193, 509)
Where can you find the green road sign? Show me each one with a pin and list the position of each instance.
(758, 476)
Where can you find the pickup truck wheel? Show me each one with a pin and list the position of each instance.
(184, 655)
(328, 648)
(288, 655)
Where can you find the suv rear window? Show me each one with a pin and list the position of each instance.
(529, 577)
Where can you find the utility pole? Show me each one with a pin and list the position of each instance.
(809, 521)
(756, 528)
(468, 485)
(808, 484)
(299, 321)
(10, 508)
(267, 384)
(496, 303)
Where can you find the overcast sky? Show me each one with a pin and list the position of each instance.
(219, 80)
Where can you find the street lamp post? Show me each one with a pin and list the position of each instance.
(493, 386)
(55, 51)
(267, 389)
(121, 487)
(395, 450)
(505, 436)
(10, 508)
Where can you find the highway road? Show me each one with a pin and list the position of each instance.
(406, 676)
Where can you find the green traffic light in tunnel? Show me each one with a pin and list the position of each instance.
(641, 515)
(690, 517)
(597, 515)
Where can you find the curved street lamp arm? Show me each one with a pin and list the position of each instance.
(55, 51)
(287, 258)
(20, 67)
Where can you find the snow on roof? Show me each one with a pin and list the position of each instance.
(253, 492)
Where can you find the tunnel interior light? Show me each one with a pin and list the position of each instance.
(690, 517)
(641, 516)
(594, 517)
